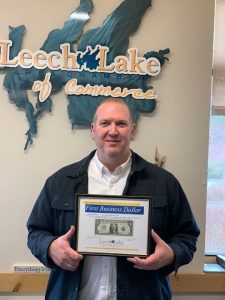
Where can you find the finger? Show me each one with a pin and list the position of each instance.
(148, 263)
(137, 261)
(70, 267)
(75, 256)
(132, 260)
(139, 266)
(69, 233)
(155, 237)
(72, 259)
(141, 263)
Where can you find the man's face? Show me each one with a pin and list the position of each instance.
(112, 131)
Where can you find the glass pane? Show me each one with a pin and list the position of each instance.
(215, 212)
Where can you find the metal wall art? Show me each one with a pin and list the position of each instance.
(101, 59)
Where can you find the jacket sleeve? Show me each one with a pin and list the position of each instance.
(183, 230)
(41, 228)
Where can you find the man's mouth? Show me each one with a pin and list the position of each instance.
(112, 141)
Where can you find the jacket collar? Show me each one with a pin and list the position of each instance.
(80, 168)
(138, 163)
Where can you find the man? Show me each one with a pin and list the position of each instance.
(112, 169)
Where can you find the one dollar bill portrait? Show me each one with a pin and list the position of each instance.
(113, 227)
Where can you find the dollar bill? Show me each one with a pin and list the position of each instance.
(114, 227)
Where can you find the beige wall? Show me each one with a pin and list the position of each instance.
(179, 126)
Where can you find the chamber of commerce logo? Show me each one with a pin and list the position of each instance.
(101, 66)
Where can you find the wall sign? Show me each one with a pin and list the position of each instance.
(102, 66)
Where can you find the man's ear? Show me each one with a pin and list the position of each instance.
(134, 129)
(92, 130)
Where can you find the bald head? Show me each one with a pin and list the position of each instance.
(116, 101)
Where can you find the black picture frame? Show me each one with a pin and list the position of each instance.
(131, 217)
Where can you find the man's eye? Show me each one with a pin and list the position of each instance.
(122, 124)
(104, 124)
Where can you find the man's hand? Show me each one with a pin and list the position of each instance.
(62, 254)
(162, 256)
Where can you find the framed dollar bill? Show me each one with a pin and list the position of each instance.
(113, 225)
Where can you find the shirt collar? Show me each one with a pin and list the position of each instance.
(119, 171)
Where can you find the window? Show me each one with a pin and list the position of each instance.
(215, 212)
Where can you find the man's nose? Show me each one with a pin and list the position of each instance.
(113, 130)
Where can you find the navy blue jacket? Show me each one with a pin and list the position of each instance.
(55, 211)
